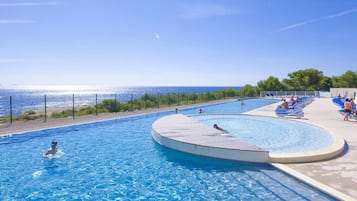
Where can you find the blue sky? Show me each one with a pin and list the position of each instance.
(173, 42)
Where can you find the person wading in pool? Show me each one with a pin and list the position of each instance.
(217, 127)
(53, 148)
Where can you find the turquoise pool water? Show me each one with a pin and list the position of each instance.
(118, 160)
(272, 134)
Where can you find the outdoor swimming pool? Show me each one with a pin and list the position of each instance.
(118, 160)
(272, 134)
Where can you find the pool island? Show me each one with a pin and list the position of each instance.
(189, 135)
(183, 133)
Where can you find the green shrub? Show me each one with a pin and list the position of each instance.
(86, 111)
(63, 114)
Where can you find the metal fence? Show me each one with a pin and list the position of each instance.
(45, 107)
(280, 94)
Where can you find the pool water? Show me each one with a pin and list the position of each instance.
(236, 107)
(118, 160)
(272, 134)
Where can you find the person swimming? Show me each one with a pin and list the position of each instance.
(53, 149)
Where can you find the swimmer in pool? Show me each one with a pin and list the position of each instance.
(53, 148)
(217, 127)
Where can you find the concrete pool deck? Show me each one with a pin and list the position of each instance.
(339, 173)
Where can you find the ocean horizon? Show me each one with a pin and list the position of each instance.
(27, 98)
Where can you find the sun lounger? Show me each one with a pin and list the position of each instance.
(339, 102)
(295, 109)
(281, 112)
(270, 95)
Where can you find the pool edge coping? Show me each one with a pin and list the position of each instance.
(327, 153)
(308, 180)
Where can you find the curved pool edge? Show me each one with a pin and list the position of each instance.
(313, 156)
(185, 134)
(327, 153)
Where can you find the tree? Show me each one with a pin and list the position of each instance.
(248, 91)
(270, 84)
(325, 83)
(346, 80)
(308, 79)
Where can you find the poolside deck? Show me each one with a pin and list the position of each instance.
(339, 173)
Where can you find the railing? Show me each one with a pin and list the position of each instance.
(44, 107)
(280, 94)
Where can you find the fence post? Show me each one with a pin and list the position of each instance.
(132, 104)
(115, 102)
(145, 97)
(158, 100)
(10, 109)
(73, 106)
(45, 108)
(96, 104)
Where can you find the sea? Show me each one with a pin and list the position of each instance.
(19, 100)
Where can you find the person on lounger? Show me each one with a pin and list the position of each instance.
(284, 104)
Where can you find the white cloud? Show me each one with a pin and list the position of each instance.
(157, 35)
(340, 14)
(297, 25)
(202, 11)
(16, 21)
(22, 4)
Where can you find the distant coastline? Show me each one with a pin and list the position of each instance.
(33, 99)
